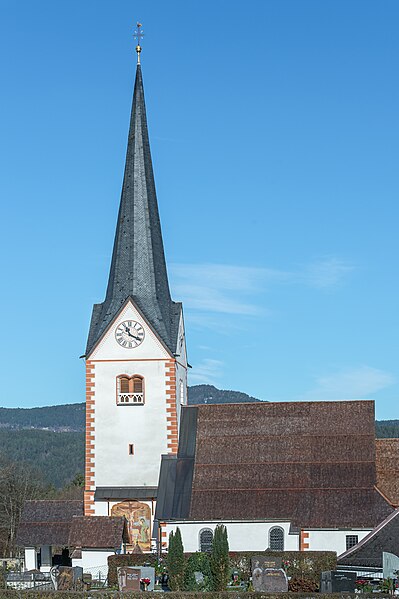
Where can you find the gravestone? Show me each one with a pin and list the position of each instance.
(390, 564)
(199, 577)
(267, 575)
(129, 578)
(148, 572)
(266, 561)
(274, 580)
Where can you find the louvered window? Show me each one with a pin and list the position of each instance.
(137, 385)
(276, 539)
(124, 385)
(351, 541)
(129, 390)
(206, 540)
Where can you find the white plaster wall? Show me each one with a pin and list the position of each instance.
(242, 536)
(181, 369)
(116, 426)
(181, 375)
(101, 508)
(332, 540)
(94, 559)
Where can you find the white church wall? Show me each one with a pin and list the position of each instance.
(117, 426)
(243, 536)
(95, 558)
(332, 540)
(101, 508)
(181, 371)
(181, 389)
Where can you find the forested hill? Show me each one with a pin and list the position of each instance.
(65, 418)
(51, 439)
(202, 394)
(71, 417)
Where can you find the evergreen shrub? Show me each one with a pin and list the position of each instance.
(219, 560)
(176, 561)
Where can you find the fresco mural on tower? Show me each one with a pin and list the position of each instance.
(138, 516)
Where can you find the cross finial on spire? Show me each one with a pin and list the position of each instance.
(138, 35)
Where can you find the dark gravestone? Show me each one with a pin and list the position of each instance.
(267, 575)
(266, 561)
(129, 578)
(334, 581)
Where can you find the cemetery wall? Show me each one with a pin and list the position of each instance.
(9, 594)
(298, 564)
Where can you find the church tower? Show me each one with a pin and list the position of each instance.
(136, 367)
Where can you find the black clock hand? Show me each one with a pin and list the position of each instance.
(130, 335)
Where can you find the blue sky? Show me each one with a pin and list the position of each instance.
(274, 134)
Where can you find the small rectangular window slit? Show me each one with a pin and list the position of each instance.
(131, 449)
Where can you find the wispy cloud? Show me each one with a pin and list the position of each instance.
(351, 383)
(207, 371)
(218, 287)
(326, 273)
(230, 289)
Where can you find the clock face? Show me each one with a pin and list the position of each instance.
(129, 334)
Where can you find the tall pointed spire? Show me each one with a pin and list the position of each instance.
(138, 268)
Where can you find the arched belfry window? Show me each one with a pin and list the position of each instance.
(129, 390)
(276, 538)
(205, 540)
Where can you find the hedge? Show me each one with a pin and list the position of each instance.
(9, 594)
(300, 564)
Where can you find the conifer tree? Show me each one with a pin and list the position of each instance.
(220, 565)
(176, 561)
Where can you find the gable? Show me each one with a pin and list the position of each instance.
(109, 349)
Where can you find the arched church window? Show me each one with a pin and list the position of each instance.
(276, 538)
(181, 392)
(129, 390)
(205, 540)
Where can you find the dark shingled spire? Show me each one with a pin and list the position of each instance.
(138, 268)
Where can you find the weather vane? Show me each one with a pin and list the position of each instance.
(138, 35)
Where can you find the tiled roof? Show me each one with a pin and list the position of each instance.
(387, 459)
(309, 462)
(46, 522)
(368, 552)
(97, 532)
(138, 268)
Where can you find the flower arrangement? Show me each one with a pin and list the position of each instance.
(363, 586)
(145, 582)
